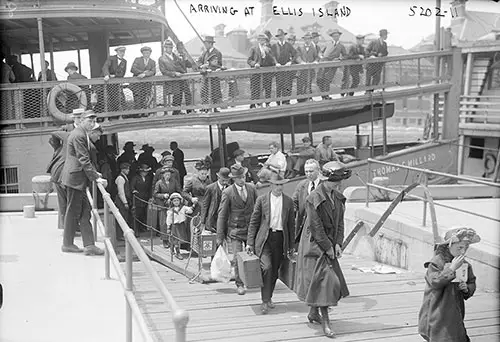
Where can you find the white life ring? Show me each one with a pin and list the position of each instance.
(490, 161)
(57, 92)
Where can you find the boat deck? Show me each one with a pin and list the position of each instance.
(381, 307)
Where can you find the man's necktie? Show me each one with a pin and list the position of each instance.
(312, 186)
(242, 194)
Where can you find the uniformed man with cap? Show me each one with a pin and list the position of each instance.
(114, 67)
(334, 51)
(77, 174)
(356, 52)
(142, 67)
(376, 48)
(211, 59)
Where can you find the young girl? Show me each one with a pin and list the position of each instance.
(176, 223)
(442, 314)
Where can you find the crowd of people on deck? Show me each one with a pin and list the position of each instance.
(308, 226)
(269, 51)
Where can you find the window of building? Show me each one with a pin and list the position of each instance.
(9, 180)
(419, 122)
(476, 152)
(405, 121)
(413, 121)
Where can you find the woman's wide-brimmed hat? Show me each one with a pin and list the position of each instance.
(145, 168)
(458, 234)
(237, 171)
(175, 195)
(223, 173)
(334, 171)
(71, 65)
(201, 165)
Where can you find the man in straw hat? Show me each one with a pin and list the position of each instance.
(114, 67)
(306, 54)
(142, 67)
(76, 115)
(211, 200)
(450, 281)
(271, 236)
(211, 59)
(77, 174)
(334, 51)
(320, 247)
(376, 48)
(356, 52)
(175, 66)
(261, 56)
(235, 210)
(141, 187)
(285, 55)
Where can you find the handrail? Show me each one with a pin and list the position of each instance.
(180, 316)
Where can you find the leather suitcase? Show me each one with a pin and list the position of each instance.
(249, 269)
(287, 273)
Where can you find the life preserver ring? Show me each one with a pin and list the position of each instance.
(59, 92)
(490, 161)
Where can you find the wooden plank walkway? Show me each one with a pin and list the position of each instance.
(380, 308)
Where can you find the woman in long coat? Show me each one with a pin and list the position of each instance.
(320, 282)
(196, 186)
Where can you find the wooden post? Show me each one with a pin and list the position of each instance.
(452, 98)
(224, 143)
(384, 129)
(309, 126)
(282, 142)
(221, 146)
(51, 53)
(32, 62)
(79, 61)
(357, 142)
(372, 152)
(292, 134)
(435, 124)
(211, 138)
(41, 45)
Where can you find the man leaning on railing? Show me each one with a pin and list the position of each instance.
(376, 48)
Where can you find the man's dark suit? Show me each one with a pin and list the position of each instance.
(210, 206)
(168, 67)
(299, 204)
(142, 90)
(213, 91)
(376, 48)
(270, 246)
(284, 80)
(233, 220)
(354, 70)
(76, 176)
(59, 142)
(114, 67)
(179, 162)
(333, 51)
(141, 189)
(259, 81)
(306, 54)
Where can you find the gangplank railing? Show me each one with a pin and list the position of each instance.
(425, 173)
(231, 90)
(180, 317)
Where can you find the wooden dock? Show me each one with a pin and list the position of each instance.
(380, 308)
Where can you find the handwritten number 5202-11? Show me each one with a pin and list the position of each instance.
(427, 12)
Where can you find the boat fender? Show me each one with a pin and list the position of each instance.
(58, 92)
(490, 161)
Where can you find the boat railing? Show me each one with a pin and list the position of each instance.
(9, 6)
(228, 90)
(424, 175)
(480, 109)
(106, 226)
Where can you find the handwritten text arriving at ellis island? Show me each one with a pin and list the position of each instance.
(320, 12)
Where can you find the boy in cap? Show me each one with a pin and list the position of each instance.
(376, 48)
(142, 67)
(114, 67)
(211, 59)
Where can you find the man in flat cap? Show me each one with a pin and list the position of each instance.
(308, 53)
(175, 66)
(297, 157)
(77, 174)
(211, 59)
(261, 56)
(376, 48)
(356, 52)
(334, 51)
(142, 67)
(114, 67)
(285, 54)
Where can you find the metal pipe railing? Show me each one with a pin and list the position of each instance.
(435, 173)
(180, 316)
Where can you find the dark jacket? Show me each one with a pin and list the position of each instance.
(138, 67)
(59, 141)
(334, 52)
(258, 231)
(179, 161)
(169, 66)
(234, 214)
(78, 169)
(51, 75)
(22, 73)
(255, 56)
(210, 205)
(194, 187)
(213, 58)
(157, 176)
(113, 66)
(77, 76)
(354, 52)
(376, 47)
(299, 204)
(307, 55)
(161, 187)
(283, 54)
(141, 188)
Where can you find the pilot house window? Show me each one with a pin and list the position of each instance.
(476, 152)
(9, 181)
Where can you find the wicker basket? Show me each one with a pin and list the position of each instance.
(203, 242)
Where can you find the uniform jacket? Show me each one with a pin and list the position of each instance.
(113, 66)
(375, 47)
(138, 67)
(255, 56)
(299, 204)
(258, 230)
(169, 66)
(213, 58)
(307, 55)
(78, 169)
(283, 54)
(234, 214)
(141, 187)
(59, 141)
(210, 205)
(334, 52)
(441, 316)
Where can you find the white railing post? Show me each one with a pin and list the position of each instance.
(106, 236)
(181, 318)
(128, 274)
(368, 181)
(425, 183)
